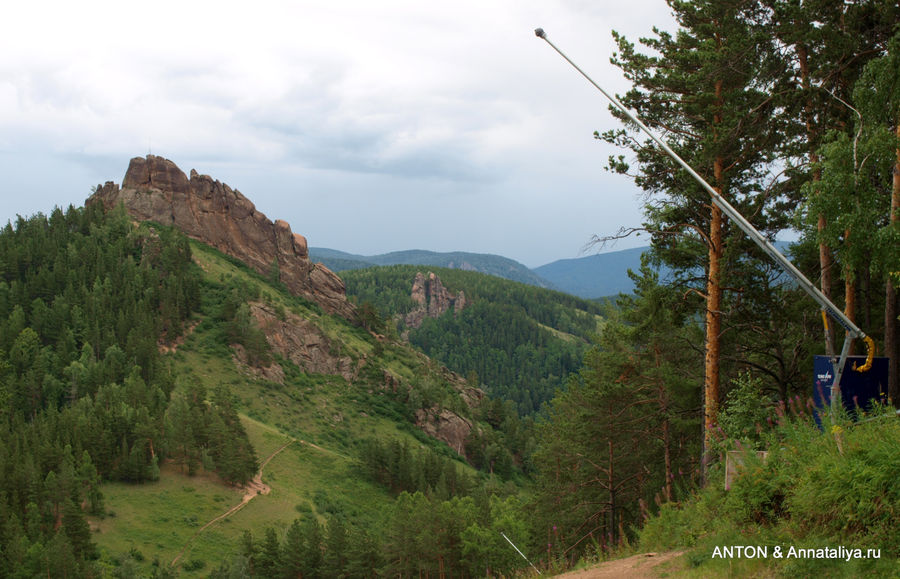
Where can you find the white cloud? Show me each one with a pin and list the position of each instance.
(404, 100)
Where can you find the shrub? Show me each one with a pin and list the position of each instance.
(850, 489)
(744, 415)
(820, 486)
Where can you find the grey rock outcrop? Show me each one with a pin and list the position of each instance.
(155, 189)
(446, 426)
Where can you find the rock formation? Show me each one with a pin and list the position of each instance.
(155, 189)
(432, 299)
(302, 342)
(446, 426)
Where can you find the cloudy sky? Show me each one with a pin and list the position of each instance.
(369, 126)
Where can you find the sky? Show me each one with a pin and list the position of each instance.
(369, 126)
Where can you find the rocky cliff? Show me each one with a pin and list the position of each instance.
(155, 189)
(432, 299)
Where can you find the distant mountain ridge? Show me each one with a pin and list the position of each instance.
(496, 265)
(594, 276)
(589, 277)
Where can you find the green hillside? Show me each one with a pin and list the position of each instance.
(521, 342)
(141, 397)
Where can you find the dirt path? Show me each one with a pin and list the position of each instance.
(643, 566)
(254, 488)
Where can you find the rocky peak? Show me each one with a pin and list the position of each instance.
(155, 189)
(432, 299)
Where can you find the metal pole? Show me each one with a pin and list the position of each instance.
(852, 330)
(520, 552)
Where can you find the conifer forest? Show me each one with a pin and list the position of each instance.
(146, 388)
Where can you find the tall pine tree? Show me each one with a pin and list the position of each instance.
(707, 88)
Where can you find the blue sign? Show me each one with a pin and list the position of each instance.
(858, 389)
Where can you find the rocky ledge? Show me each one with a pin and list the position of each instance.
(155, 189)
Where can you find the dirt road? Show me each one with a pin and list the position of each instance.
(643, 566)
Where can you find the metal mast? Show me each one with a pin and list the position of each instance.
(827, 306)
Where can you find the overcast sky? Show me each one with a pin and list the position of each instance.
(369, 126)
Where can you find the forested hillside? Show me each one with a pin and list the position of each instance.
(520, 341)
(85, 301)
(138, 382)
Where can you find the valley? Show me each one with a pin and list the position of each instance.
(188, 404)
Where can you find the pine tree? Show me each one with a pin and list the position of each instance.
(292, 560)
(364, 554)
(180, 433)
(708, 91)
(78, 532)
(268, 559)
(312, 556)
(633, 405)
(336, 548)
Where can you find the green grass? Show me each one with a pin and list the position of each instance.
(816, 490)
(158, 519)
(220, 268)
(324, 418)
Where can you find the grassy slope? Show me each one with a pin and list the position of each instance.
(817, 490)
(314, 476)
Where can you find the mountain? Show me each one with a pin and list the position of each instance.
(604, 274)
(481, 262)
(189, 401)
(590, 277)
(594, 276)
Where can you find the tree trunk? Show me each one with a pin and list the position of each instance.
(713, 322)
(667, 454)
(849, 291)
(713, 297)
(612, 496)
(666, 435)
(826, 260)
(891, 345)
